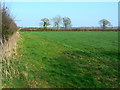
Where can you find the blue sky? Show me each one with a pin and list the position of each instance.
(81, 13)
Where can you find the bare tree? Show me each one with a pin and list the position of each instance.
(104, 23)
(66, 22)
(45, 22)
(57, 20)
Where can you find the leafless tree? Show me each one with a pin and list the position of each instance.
(45, 22)
(104, 23)
(57, 20)
(67, 22)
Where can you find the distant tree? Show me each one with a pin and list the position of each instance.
(104, 23)
(66, 22)
(45, 22)
(57, 20)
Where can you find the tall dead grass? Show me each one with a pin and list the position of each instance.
(9, 39)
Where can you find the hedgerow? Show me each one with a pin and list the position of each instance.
(9, 26)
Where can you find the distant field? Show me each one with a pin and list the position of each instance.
(66, 59)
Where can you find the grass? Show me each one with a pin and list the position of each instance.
(65, 60)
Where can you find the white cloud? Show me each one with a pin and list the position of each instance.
(61, 0)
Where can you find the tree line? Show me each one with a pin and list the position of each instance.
(57, 20)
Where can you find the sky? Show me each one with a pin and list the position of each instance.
(82, 14)
(62, 0)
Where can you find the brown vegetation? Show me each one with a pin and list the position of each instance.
(76, 29)
(8, 25)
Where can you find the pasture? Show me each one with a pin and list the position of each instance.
(66, 60)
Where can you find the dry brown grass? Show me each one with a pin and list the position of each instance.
(9, 53)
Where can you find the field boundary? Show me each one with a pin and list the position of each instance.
(28, 30)
(10, 44)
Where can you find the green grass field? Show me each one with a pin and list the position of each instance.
(65, 60)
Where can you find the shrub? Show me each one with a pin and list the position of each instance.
(8, 25)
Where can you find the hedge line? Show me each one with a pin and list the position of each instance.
(37, 29)
(8, 25)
